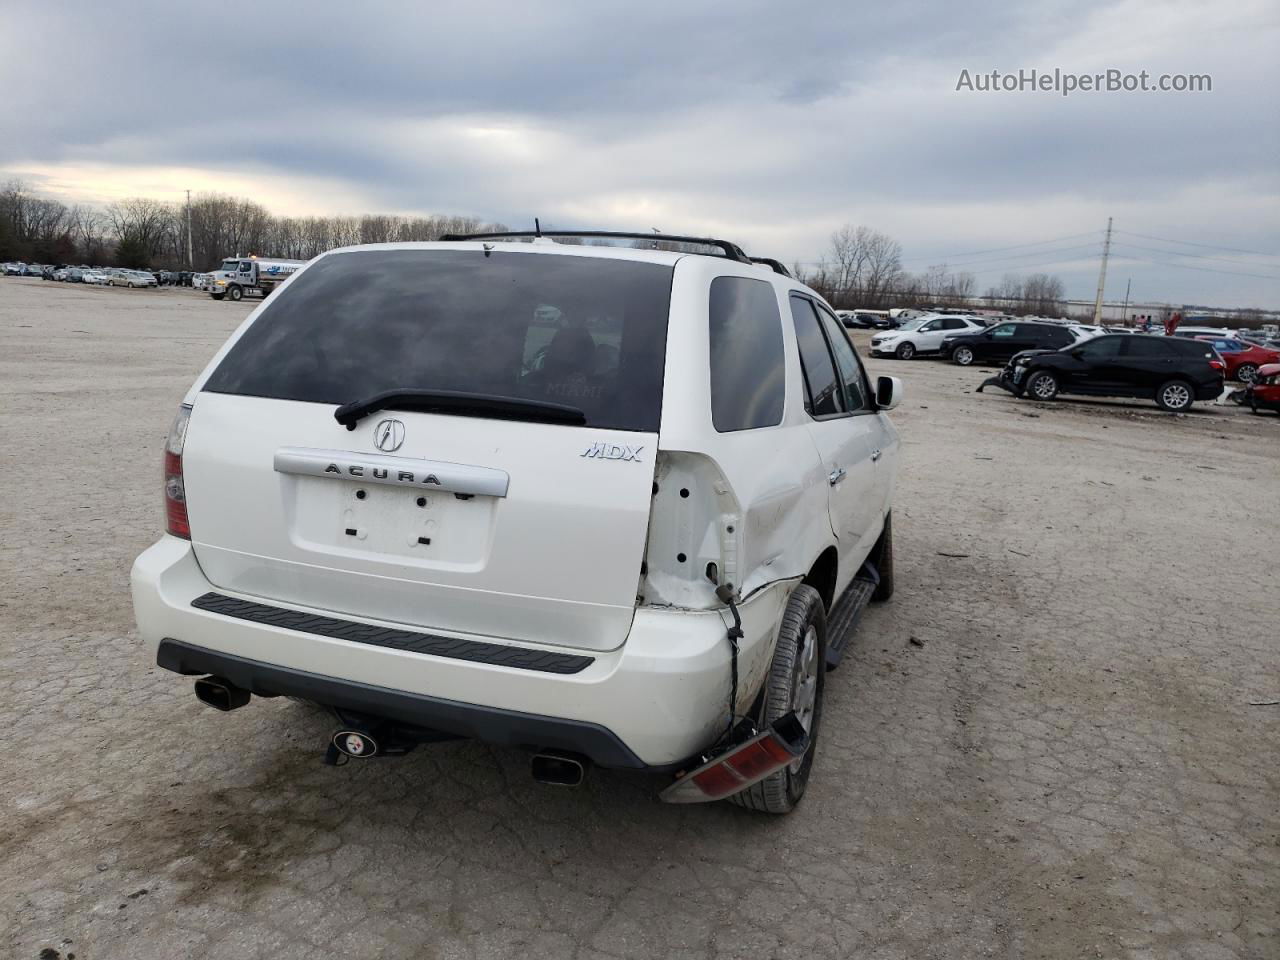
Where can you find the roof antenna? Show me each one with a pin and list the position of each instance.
(537, 227)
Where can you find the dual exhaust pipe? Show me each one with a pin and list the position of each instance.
(550, 767)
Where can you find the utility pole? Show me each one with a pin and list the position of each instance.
(1102, 276)
(190, 259)
(1124, 311)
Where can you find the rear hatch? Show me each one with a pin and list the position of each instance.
(503, 488)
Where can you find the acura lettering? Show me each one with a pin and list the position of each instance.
(382, 473)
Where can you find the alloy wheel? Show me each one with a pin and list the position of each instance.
(1176, 396)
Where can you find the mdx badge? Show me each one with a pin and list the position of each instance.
(388, 435)
(613, 451)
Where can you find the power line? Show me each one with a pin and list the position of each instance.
(1016, 246)
(1016, 256)
(1187, 266)
(1032, 266)
(1198, 256)
(1205, 246)
(962, 263)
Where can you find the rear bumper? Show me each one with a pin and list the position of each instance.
(491, 724)
(659, 699)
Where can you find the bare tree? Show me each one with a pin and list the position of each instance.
(142, 229)
(860, 267)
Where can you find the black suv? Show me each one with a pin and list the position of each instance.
(1170, 370)
(1003, 341)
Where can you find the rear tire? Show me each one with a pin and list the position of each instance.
(1042, 385)
(905, 351)
(799, 657)
(962, 356)
(1175, 396)
(884, 562)
(1247, 372)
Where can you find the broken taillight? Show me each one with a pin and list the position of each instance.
(175, 493)
(741, 766)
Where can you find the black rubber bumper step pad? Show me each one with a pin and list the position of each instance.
(475, 651)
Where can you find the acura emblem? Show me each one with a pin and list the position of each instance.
(388, 435)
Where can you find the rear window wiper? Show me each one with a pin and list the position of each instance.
(461, 404)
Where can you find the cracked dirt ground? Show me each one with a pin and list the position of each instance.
(1064, 763)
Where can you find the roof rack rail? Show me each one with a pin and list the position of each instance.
(770, 262)
(731, 250)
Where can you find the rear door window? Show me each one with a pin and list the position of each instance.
(826, 394)
(585, 331)
(748, 378)
(1148, 348)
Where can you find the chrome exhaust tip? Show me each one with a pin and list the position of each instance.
(559, 769)
(221, 694)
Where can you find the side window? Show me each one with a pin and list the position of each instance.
(1148, 348)
(825, 395)
(931, 326)
(857, 396)
(1102, 348)
(748, 378)
(954, 324)
(1004, 330)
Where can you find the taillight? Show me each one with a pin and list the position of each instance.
(175, 493)
(732, 772)
(1217, 365)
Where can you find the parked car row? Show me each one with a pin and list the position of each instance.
(966, 340)
(100, 276)
(19, 269)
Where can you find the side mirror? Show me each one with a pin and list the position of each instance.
(888, 392)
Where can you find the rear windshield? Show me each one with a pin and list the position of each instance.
(585, 331)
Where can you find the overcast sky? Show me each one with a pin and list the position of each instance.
(765, 123)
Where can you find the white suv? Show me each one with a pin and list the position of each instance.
(594, 501)
(923, 335)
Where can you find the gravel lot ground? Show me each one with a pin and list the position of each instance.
(1042, 747)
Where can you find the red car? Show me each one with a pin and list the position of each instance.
(1242, 359)
(1264, 392)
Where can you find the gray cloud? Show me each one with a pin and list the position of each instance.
(768, 125)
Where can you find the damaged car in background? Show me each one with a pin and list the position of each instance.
(607, 503)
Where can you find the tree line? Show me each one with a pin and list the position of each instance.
(862, 267)
(151, 234)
